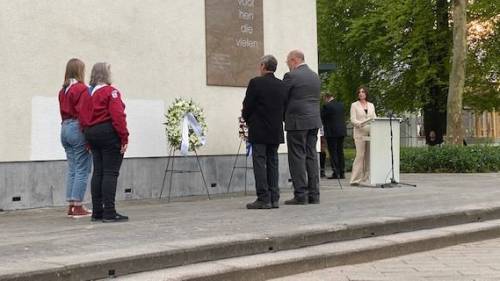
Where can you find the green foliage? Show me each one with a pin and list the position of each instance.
(445, 159)
(401, 50)
(482, 9)
(349, 154)
(393, 47)
(334, 21)
(450, 159)
(482, 91)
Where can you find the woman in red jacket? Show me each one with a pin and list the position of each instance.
(106, 131)
(72, 138)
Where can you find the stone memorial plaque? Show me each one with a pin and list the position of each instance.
(234, 41)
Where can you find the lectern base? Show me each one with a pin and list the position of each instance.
(394, 183)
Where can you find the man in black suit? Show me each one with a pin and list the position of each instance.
(302, 121)
(263, 111)
(332, 115)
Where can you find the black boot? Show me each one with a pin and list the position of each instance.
(313, 199)
(116, 218)
(296, 201)
(259, 205)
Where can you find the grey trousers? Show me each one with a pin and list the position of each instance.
(265, 169)
(303, 162)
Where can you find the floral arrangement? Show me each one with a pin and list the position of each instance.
(175, 117)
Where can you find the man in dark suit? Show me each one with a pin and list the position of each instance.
(332, 115)
(263, 111)
(302, 120)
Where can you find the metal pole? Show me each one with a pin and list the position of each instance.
(234, 166)
(166, 171)
(202, 175)
(171, 175)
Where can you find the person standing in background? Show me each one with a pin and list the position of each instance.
(332, 115)
(362, 112)
(322, 153)
(72, 138)
(263, 111)
(302, 120)
(105, 125)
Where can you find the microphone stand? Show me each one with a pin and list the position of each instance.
(332, 162)
(393, 182)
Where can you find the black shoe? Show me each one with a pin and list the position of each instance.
(322, 174)
(116, 218)
(296, 201)
(333, 177)
(96, 218)
(342, 176)
(275, 204)
(258, 205)
(313, 200)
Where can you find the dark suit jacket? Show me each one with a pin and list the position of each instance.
(333, 117)
(302, 106)
(263, 109)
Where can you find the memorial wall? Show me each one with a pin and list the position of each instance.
(234, 31)
(159, 50)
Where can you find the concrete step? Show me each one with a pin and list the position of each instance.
(278, 264)
(157, 255)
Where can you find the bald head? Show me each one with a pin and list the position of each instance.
(296, 54)
(294, 59)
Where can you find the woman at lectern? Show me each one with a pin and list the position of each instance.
(362, 112)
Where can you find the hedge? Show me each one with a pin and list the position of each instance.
(445, 159)
(451, 159)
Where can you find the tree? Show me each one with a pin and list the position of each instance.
(482, 84)
(455, 131)
(400, 49)
(334, 21)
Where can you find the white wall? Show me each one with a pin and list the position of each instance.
(157, 52)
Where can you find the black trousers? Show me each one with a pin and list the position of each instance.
(105, 145)
(266, 172)
(322, 155)
(303, 163)
(336, 150)
(322, 161)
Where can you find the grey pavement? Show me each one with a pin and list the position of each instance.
(464, 262)
(37, 238)
(270, 265)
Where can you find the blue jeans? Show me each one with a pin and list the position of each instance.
(79, 160)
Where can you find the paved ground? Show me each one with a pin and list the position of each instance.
(474, 261)
(33, 238)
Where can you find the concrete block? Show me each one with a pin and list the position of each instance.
(42, 183)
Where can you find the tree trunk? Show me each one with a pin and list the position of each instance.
(434, 109)
(454, 124)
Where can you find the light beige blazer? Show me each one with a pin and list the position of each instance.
(358, 116)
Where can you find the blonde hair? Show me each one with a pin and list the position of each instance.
(75, 69)
(101, 73)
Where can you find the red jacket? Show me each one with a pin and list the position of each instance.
(70, 100)
(104, 105)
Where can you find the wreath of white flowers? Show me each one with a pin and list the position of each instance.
(174, 118)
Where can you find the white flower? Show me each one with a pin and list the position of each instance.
(173, 123)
